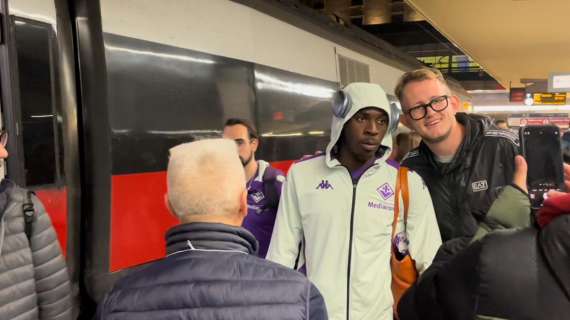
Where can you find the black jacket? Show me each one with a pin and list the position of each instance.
(508, 274)
(463, 190)
(211, 272)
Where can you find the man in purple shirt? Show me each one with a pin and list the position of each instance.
(263, 183)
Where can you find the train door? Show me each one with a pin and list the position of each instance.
(39, 112)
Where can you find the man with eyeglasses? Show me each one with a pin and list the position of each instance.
(34, 283)
(263, 183)
(464, 159)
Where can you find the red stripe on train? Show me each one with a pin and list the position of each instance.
(139, 218)
(55, 203)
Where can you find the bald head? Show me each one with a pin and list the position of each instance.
(205, 178)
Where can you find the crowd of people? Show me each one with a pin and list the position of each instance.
(320, 243)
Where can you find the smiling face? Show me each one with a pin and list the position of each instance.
(435, 127)
(361, 136)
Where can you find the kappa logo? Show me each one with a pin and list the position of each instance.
(479, 186)
(324, 185)
(258, 196)
(385, 191)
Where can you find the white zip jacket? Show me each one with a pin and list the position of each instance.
(346, 229)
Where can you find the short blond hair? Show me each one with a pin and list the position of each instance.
(418, 75)
(205, 177)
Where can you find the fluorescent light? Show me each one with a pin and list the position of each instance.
(212, 132)
(269, 82)
(160, 55)
(42, 116)
(293, 134)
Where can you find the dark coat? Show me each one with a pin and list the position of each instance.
(508, 274)
(463, 190)
(211, 272)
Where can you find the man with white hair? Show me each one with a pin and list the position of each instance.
(211, 270)
(340, 206)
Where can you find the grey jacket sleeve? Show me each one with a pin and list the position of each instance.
(52, 280)
(317, 307)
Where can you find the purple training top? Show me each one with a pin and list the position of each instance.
(263, 193)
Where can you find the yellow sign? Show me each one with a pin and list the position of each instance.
(549, 98)
(467, 107)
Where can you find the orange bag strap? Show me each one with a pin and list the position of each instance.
(401, 187)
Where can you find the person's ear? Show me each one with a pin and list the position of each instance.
(254, 144)
(455, 103)
(405, 120)
(243, 204)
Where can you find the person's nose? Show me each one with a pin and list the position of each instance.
(372, 127)
(429, 111)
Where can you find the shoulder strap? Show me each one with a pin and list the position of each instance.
(403, 172)
(29, 214)
(401, 187)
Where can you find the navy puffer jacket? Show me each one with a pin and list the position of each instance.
(211, 272)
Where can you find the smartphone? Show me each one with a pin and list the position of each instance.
(541, 149)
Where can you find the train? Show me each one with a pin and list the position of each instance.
(95, 92)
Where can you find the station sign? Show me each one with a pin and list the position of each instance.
(559, 82)
(562, 122)
(558, 98)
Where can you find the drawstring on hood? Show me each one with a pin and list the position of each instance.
(362, 95)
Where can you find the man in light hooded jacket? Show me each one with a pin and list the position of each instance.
(340, 206)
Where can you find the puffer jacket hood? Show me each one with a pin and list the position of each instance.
(362, 95)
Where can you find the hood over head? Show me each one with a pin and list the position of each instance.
(362, 95)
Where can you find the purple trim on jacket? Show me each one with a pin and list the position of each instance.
(393, 163)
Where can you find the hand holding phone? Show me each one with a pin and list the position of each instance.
(541, 149)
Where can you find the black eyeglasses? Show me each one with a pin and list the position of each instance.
(3, 137)
(436, 104)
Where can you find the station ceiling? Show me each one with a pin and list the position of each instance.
(510, 39)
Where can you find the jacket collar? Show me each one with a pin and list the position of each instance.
(210, 236)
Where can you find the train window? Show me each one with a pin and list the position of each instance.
(293, 113)
(38, 118)
(161, 96)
